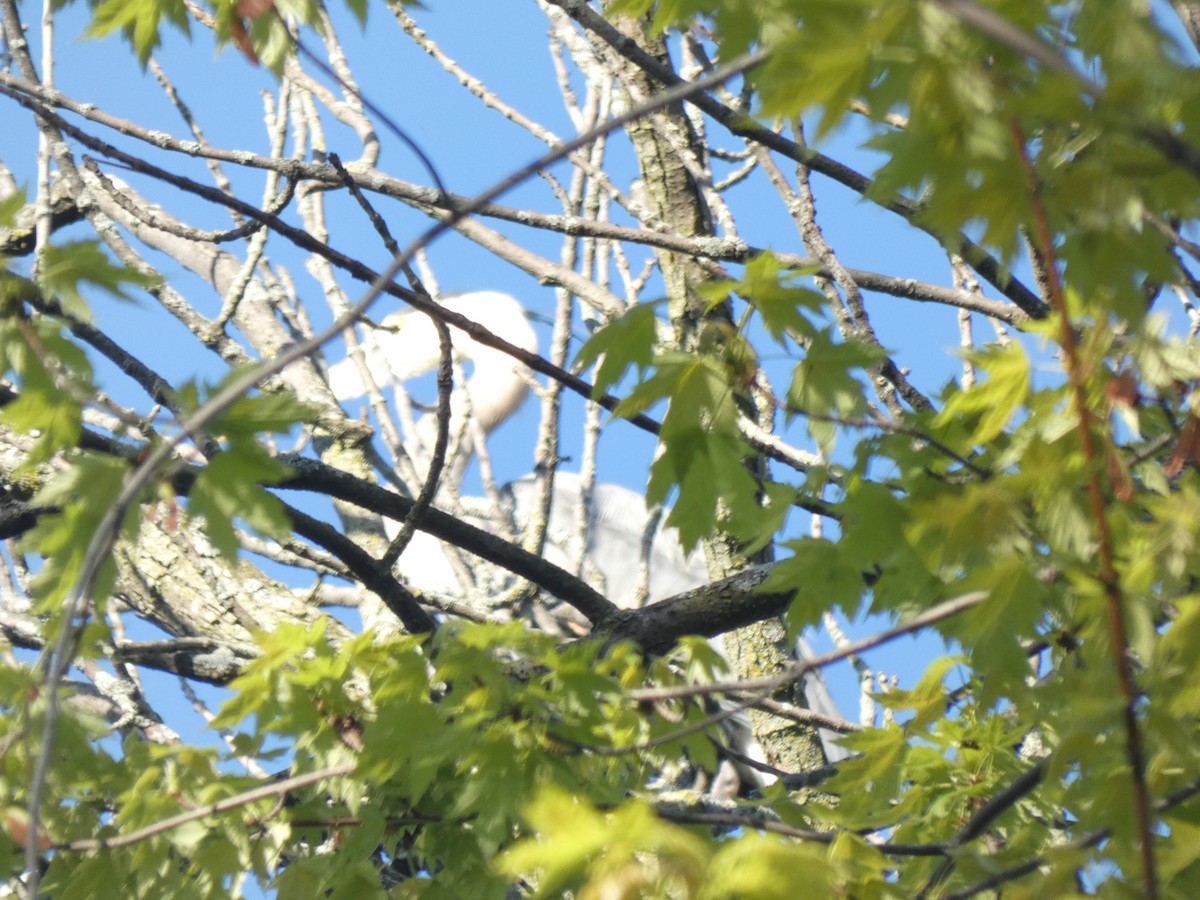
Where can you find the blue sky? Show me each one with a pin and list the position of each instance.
(503, 44)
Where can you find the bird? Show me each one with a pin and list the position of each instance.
(407, 345)
(621, 528)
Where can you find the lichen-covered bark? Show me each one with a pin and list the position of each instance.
(171, 575)
(339, 441)
(671, 192)
(675, 198)
(761, 650)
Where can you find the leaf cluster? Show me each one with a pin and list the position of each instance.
(1057, 735)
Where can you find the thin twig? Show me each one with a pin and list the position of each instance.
(1089, 425)
(753, 690)
(797, 670)
(56, 663)
(738, 123)
(727, 249)
(274, 789)
(995, 806)
(445, 381)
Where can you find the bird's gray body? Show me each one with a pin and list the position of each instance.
(623, 551)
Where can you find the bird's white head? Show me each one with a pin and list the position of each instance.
(408, 346)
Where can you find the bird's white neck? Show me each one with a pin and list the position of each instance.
(410, 347)
(496, 388)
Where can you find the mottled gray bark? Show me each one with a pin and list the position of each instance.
(672, 160)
